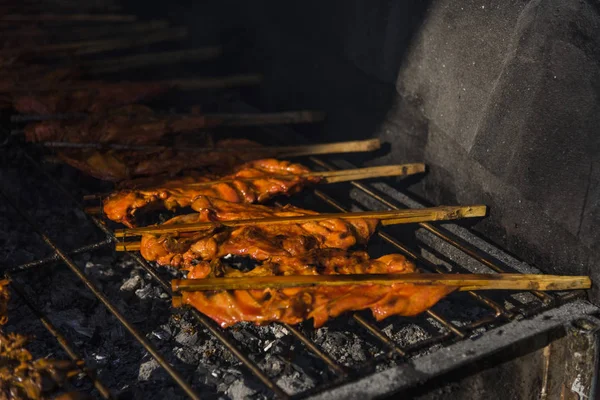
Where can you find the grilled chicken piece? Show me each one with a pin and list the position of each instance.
(100, 96)
(4, 295)
(123, 205)
(21, 377)
(294, 305)
(32, 75)
(134, 124)
(276, 243)
(116, 166)
(125, 125)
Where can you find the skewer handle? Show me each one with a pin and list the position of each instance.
(265, 119)
(331, 148)
(48, 17)
(216, 83)
(463, 282)
(153, 59)
(370, 172)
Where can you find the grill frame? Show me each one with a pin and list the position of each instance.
(454, 340)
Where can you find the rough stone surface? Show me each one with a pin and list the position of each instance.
(500, 99)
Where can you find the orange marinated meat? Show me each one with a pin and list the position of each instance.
(119, 165)
(274, 178)
(273, 242)
(294, 305)
(98, 96)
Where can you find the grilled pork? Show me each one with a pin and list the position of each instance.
(294, 305)
(22, 377)
(275, 242)
(123, 205)
(117, 165)
(99, 96)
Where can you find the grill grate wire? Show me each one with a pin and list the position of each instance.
(451, 331)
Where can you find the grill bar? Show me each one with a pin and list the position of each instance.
(449, 325)
(454, 241)
(55, 257)
(219, 334)
(378, 333)
(500, 311)
(107, 303)
(474, 253)
(203, 320)
(487, 301)
(61, 339)
(338, 369)
(451, 331)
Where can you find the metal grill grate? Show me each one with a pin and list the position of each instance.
(500, 309)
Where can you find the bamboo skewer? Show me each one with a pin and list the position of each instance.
(216, 83)
(463, 282)
(393, 217)
(327, 177)
(105, 45)
(344, 175)
(153, 59)
(48, 17)
(272, 151)
(188, 122)
(91, 32)
(179, 84)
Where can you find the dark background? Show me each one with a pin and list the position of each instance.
(500, 99)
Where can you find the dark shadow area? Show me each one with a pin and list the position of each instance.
(340, 57)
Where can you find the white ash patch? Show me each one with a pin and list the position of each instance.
(239, 391)
(146, 369)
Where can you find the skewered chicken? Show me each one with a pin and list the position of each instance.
(276, 243)
(22, 377)
(294, 305)
(4, 301)
(119, 165)
(123, 205)
(97, 97)
(127, 125)
(33, 75)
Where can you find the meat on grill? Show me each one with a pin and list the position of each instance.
(97, 97)
(32, 75)
(4, 296)
(22, 377)
(134, 124)
(119, 165)
(126, 125)
(276, 242)
(294, 305)
(123, 205)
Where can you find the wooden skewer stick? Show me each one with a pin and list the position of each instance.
(272, 151)
(128, 246)
(181, 84)
(345, 175)
(216, 83)
(90, 32)
(463, 282)
(191, 122)
(153, 59)
(68, 18)
(100, 46)
(392, 217)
